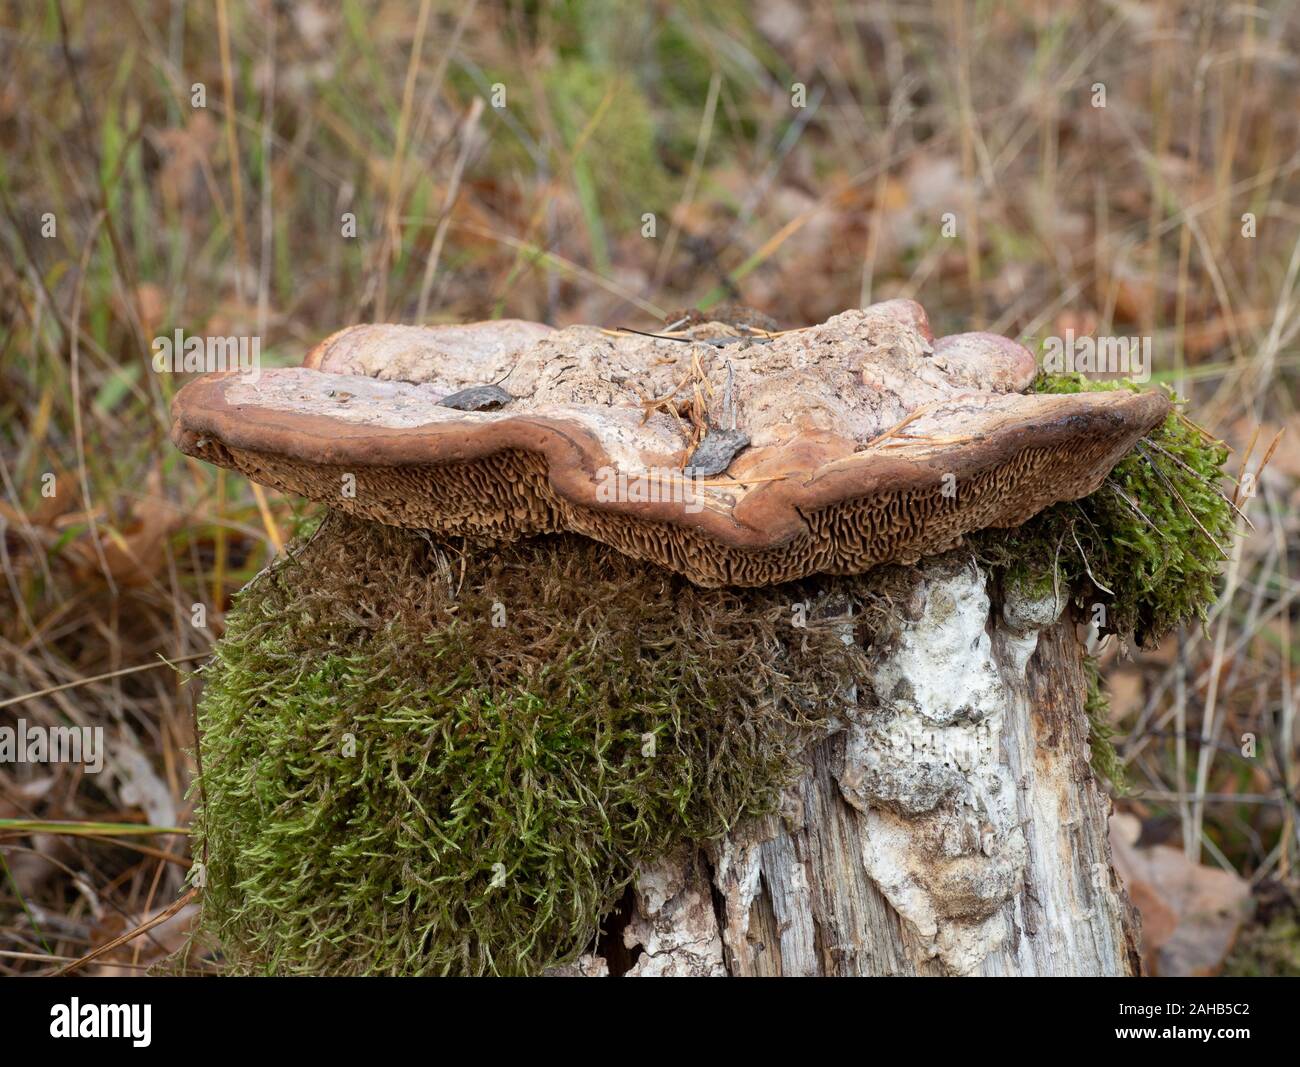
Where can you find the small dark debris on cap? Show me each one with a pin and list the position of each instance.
(714, 454)
(477, 398)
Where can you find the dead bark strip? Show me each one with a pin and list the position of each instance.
(951, 826)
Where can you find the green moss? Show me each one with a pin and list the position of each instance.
(620, 147)
(1103, 759)
(1268, 950)
(1148, 544)
(392, 784)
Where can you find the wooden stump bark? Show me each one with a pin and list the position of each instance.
(951, 824)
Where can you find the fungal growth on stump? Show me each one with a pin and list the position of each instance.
(714, 650)
(865, 441)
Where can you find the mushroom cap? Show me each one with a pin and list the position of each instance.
(857, 442)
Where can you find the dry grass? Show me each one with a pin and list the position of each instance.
(227, 220)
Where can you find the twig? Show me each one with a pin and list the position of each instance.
(1084, 556)
(644, 333)
(1136, 510)
(108, 946)
(1197, 474)
(102, 678)
(82, 828)
(232, 145)
(1179, 497)
(692, 180)
(1202, 430)
(1241, 473)
(895, 428)
(468, 129)
(1208, 716)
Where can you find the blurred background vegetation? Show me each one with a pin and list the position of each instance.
(231, 218)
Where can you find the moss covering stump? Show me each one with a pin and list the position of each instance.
(428, 758)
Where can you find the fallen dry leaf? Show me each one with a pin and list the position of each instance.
(1190, 913)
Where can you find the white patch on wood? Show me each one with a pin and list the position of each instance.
(950, 825)
(674, 922)
(1023, 618)
(940, 832)
(737, 868)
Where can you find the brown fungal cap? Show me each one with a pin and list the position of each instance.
(838, 447)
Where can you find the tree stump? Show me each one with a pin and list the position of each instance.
(947, 821)
(950, 825)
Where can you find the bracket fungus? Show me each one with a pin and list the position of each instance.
(539, 726)
(850, 444)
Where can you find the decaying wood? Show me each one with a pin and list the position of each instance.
(952, 824)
